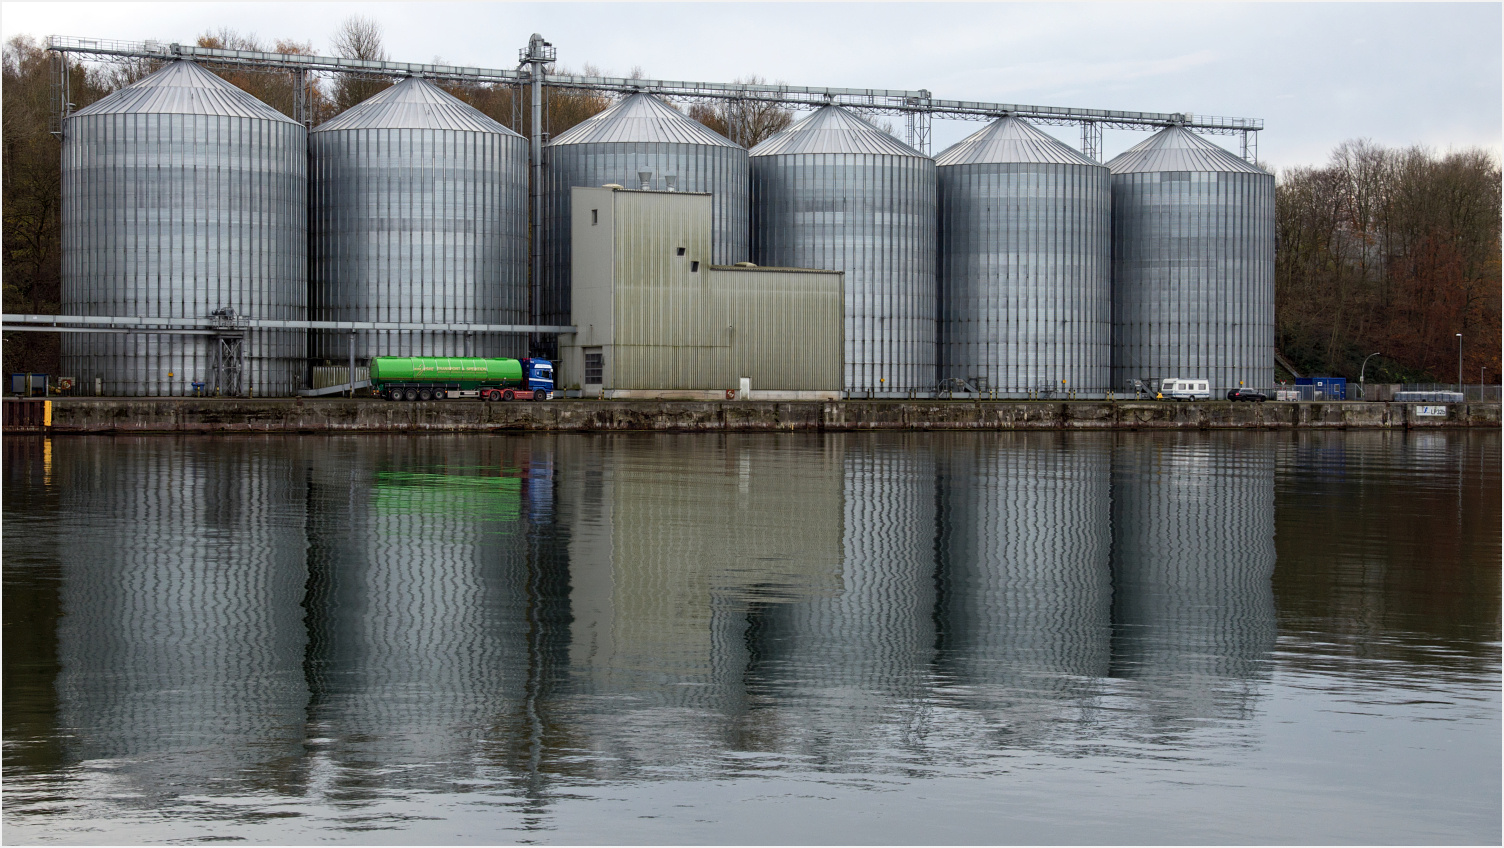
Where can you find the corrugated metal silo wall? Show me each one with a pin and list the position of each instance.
(1025, 273)
(1193, 277)
(721, 171)
(1192, 565)
(874, 217)
(418, 226)
(170, 215)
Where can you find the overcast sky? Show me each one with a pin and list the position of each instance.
(1400, 74)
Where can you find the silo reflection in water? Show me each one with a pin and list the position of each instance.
(181, 634)
(1025, 589)
(1192, 562)
(418, 573)
(852, 667)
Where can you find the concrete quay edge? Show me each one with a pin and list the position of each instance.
(343, 415)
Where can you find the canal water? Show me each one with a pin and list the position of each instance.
(914, 638)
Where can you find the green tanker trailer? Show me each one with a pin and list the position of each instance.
(435, 378)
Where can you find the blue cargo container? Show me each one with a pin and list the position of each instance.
(1325, 388)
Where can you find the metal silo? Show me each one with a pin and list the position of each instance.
(835, 192)
(1024, 265)
(1192, 264)
(641, 134)
(183, 194)
(418, 214)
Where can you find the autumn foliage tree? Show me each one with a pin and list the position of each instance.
(1390, 251)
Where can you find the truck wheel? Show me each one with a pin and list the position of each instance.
(394, 394)
(541, 394)
(411, 394)
(438, 394)
(492, 395)
(424, 394)
(508, 395)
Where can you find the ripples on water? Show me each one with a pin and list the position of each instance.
(1005, 637)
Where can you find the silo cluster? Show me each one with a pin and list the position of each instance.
(183, 195)
(835, 192)
(1009, 265)
(641, 142)
(418, 214)
(1192, 264)
(1025, 295)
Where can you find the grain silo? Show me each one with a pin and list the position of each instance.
(181, 195)
(641, 139)
(1192, 264)
(835, 192)
(1024, 264)
(418, 214)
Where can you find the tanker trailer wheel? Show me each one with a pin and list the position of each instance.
(438, 394)
(508, 395)
(411, 394)
(424, 394)
(394, 394)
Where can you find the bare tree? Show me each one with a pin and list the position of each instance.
(746, 122)
(358, 38)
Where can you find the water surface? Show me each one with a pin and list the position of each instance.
(839, 638)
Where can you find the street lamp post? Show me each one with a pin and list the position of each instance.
(1459, 363)
(1362, 389)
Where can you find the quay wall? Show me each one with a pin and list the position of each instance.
(322, 415)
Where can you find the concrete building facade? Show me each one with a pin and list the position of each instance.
(657, 320)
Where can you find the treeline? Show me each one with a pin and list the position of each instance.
(1395, 252)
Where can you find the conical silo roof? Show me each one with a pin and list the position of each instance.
(834, 130)
(414, 104)
(1178, 149)
(642, 118)
(183, 88)
(1011, 140)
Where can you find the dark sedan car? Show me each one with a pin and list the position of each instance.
(1247, 394)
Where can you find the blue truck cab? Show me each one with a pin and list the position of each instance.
(540, 375)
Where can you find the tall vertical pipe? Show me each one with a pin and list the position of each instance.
(536, 58)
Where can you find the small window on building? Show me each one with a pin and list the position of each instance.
(595, 365)
(681, 251)
(595, 217)
(694, 266)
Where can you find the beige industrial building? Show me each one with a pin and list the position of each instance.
(656, 320)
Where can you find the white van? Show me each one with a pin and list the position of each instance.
(1177, 389)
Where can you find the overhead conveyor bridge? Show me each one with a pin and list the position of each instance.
(918, 107)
